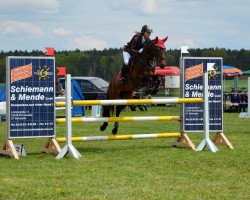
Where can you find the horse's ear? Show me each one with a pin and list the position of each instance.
(165, 39)
(156, 40)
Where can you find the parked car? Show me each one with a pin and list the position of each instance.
(92, 87)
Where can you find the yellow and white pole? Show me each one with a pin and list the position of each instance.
(132, 101)
(120, 137)
(119, 119)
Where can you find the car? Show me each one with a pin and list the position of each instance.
(92, 87)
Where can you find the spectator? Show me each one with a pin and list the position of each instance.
(60, 92)
(244, 101)
(146, 105)
(133, 107)
(143, 107)
(235, 100)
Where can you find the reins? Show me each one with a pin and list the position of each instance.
(149, 66)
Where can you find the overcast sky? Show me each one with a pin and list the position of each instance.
(99, 24)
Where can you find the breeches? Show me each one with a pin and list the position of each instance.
(126, 57)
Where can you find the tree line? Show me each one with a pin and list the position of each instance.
(105, 63)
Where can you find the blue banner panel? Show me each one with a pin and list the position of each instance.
(31, 89)
(192, 79)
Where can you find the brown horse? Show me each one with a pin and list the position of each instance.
(142, 74)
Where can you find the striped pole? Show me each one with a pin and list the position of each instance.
(131, 101)
(120, 137)
(119, 119)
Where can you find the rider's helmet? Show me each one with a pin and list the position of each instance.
(146, 28)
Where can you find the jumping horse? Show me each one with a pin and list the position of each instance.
(141, 75)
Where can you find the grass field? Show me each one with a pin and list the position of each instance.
(230, 84)
(138, 169)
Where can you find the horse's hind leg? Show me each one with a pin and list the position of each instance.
(116, 125)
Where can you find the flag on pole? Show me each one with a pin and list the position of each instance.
(184, 49)
(61, 71)
(194, 71)
(50, 51)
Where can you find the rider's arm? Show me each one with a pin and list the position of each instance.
(133, 45)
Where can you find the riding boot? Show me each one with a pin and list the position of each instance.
(124, 71)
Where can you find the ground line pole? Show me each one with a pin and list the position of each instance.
(68, 148)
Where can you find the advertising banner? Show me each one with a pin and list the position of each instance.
(192, 79)
(31, 97)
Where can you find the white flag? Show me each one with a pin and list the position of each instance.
(210, 66)
(184, 49)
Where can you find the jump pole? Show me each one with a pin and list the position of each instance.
(131, 101)
(120, 137)
(68, 148)
(118, 119)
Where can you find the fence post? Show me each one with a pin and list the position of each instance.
(68, 148)
(206, 141)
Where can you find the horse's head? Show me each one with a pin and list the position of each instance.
(156, 50)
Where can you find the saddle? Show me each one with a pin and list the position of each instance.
(131, 63)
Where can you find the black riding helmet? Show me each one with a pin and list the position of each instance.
(146, 28)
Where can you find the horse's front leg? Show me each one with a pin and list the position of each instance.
(116, 125)
(141, 80)
(106, 113)
(156, 84)
(104, 126)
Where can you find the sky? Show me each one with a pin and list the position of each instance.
(99, 24)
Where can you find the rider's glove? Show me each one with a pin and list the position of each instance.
(140, 50)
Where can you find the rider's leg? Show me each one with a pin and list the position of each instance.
(124, 70)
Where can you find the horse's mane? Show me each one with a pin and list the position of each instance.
(149, 44)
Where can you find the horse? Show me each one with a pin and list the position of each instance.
(141, 75)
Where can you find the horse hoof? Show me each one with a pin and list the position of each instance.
(103, 127)
(114, 131)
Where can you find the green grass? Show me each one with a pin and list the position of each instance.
(230, 84)
(136, 169)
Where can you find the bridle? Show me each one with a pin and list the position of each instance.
(152, 59)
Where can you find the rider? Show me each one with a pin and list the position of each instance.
(135, 46)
